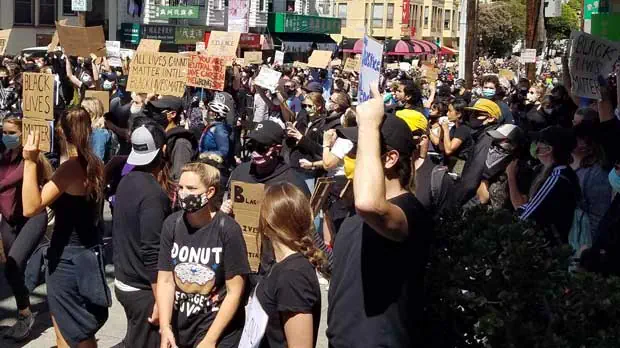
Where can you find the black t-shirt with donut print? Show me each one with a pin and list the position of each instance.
(200, 261)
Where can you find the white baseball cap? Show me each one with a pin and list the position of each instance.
(143, 148)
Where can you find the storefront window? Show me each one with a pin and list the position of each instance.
(24, 12)
(342, 14)
(389, 23)
(377, 16)
(47, 12)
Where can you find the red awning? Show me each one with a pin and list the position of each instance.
(447, 51)
(423, 46)
(356, 47)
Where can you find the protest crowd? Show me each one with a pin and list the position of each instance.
(234, 193)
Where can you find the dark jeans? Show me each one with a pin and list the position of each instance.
(138, 306)
(20, 241)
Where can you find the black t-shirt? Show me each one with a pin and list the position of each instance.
(462, 132)
(291, 286)
(377, 284)
(201, 260)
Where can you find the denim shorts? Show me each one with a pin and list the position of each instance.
(77, 293)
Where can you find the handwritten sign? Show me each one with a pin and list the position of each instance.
(223, 44)
(38, 96)
(160, 73)
(240, 62)
(149, 45)
(253, 57)
(393, 66)
(300, 65)
(352, 64)
(45, 129)
(528, 55)
(319, 59)
(370, 70)
(102, 96)
(113, 50)
(507, 74)
(5, 35)
(268, 78)
(279, 58)
(200, 46)
(206, 72)
(589, 58)
(246, 200)
(82, 41)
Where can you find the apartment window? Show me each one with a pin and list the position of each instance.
(24, 12)
(377, 16)
(447, 19)
(425, 17)
(342, 14)
(66, 8)
(47, 12)
(389, 22)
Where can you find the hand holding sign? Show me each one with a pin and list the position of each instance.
(371, 111)
(31, 148)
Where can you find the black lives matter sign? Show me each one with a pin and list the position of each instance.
(38, 96)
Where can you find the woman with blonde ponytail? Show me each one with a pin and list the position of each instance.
(285, 308)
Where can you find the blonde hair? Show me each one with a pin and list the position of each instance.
(286, 217)
(209, 175)
(94, 107)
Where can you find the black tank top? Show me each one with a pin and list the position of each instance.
(77, 222)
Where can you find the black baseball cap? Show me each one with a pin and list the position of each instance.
(267, 133)
(167, 103)
(395, 133)
(314, 87)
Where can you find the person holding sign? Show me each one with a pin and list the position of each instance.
(289, 296)
(373, 299)
(20, 235)
(202, 267)
(75, 257)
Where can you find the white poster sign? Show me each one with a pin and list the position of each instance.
(113, 50)
(528, 55)
(268, 78)
(81, 5)
(590, 57)
(370, 71)
(279, 58)
(200, 46)
(238, 19)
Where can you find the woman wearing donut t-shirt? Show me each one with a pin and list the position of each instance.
(285, 308)
(202, 267)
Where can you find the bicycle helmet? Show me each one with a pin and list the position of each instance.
(220, 109)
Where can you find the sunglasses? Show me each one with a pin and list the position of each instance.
(258, 147)
(306, 106)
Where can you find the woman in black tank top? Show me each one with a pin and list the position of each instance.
(77, 293)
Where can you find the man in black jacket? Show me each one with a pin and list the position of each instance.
(141, 206)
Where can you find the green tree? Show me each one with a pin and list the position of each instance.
(559, 28)
(500, 25)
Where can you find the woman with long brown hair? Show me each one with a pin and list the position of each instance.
(288, 300)
(77, 294)
(20, 235)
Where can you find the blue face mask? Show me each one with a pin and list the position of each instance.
(614, 180)
(488, 92)
(10, 141)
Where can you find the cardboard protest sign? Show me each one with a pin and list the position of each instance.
(507, 74)
(81, 41)
(404, 66)
(113, 50)
(279, 58)
(223, 44)
(268, 78)
(300, 65)
(589, 58)
(149, 45)
(55, 40)
(38, 95)
(319, 59)
(5, 35)
(528, 55)
(240, 62)
(320, 194)
(393, 66)
(103, 96)
(246, 201)
(352, 64)
(253, 57)
(370, 71)
(45, 129)
(206, 72)
(160, 73)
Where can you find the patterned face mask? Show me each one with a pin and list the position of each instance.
(191, 203)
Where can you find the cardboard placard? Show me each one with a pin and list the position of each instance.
(223, 44)
(103, 96)
(240, 62)
(246, 200)
(253, 57)
(589, 58)
(206, 72)
(55, 40)
(507, 74)
(320, 194)
(45, 129)
(5, 35)
(113, 50)
(370, 72)
(300, 65)
(352, 64)
(279, 58)
(268, 78)
(159, 73)
(430, 73)
(149, 45)
(319, 59)
(336, 62)
(38, 96)
(81, 41)
(200, 46)
(528, 55)
(393, 66)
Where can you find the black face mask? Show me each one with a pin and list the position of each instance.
(523, 91)
(4, 82)
(475, 123)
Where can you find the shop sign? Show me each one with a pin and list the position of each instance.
(165, 33)
(188, 35)
(294, 23)
(177, 12)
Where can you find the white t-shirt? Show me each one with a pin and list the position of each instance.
(340, 149)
